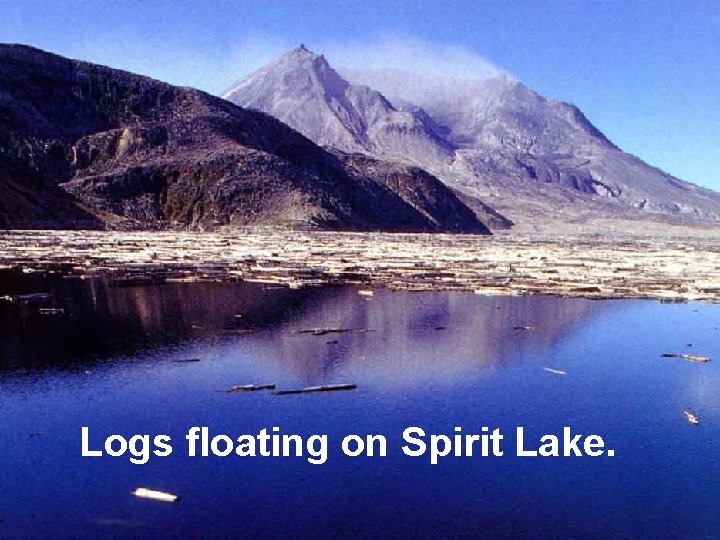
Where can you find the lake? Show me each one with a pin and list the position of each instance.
(107, 358)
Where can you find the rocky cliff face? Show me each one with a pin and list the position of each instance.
(534, 159)
(87, 145)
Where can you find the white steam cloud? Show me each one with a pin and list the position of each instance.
(407, 54)
(413, 55)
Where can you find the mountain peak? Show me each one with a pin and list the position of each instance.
(300, 56)
(301, 51)
(297, 73)
(303, 90)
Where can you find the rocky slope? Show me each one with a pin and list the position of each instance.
(439, 205)
(84, 145)
(509, 137)
(536, 160)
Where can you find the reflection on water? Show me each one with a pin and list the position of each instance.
(99, 320)
(435, 360)
(424, 337)
(443, 331)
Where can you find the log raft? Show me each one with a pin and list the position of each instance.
(665, 268)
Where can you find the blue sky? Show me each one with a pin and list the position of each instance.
(647, 73)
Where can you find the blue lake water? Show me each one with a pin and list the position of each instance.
(435, 360)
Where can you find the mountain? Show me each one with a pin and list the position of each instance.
(536, 160)
(302, 90)
(87, 146)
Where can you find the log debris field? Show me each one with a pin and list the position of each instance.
(666, 268)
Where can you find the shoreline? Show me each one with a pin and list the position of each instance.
(673, 269)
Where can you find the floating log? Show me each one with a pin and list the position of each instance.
(689, 357)
(155, 495)
(321, 388)
(691, 418)
(186, 360)
(554, 371)
(325, 331)
(28, 298)
(248, 388)
(525, 328)
(51, 311)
